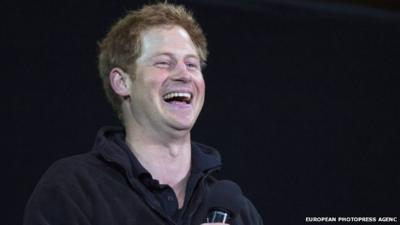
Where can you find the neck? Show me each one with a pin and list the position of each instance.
(167, 163)
(167, 158)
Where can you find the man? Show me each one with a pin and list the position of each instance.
(148, 172)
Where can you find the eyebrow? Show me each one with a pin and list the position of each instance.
(172, 55)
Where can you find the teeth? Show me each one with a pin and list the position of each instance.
(177, 94)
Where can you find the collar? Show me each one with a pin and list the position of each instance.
(110, 144)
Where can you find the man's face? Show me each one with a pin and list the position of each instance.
(168, 86)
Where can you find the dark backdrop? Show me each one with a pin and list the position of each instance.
(302, 100)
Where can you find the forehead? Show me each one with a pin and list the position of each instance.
(167, 38)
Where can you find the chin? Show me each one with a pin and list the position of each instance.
(182, 125)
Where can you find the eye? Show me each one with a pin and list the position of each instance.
(192, 65)
(163, 64)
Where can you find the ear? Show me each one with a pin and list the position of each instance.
(119, 81)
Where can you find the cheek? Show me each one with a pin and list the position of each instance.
(153, 81)
(201, 86)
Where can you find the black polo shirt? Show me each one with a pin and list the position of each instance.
(163, 193)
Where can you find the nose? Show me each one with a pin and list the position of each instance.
(181, 73)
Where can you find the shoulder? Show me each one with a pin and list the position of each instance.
(70, 174)
(67, 179)
(228, 193)
(249, 213)
(62, 190)
(71, 166)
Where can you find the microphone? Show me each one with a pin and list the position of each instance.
(224, 201)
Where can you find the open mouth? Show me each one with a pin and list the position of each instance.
(178, 97)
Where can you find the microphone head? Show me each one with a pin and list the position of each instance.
(225, 196)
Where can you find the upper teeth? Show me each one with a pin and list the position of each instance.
(177, 94)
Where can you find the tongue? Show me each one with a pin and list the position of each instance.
(177, 102)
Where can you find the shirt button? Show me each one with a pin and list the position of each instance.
(170, 198)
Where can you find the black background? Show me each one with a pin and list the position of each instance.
(302, 100)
